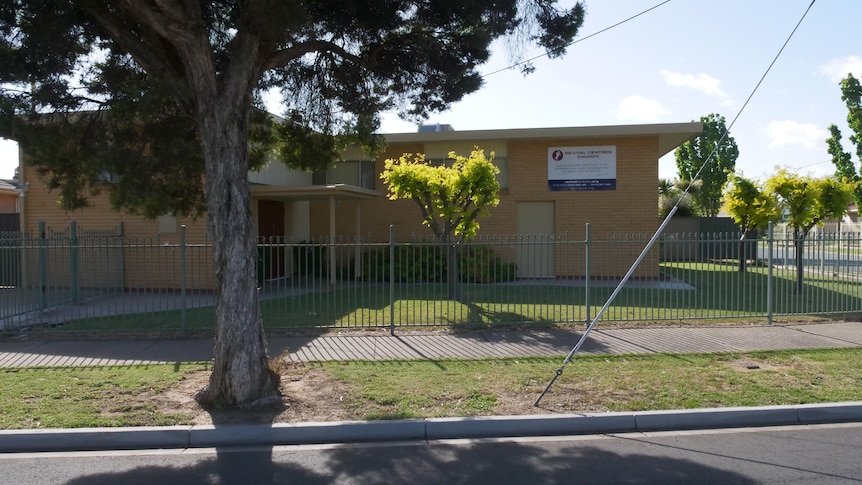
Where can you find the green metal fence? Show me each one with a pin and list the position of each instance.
(78, 281)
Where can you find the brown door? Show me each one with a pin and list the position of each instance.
(271, 239)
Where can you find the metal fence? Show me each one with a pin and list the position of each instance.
(78, 281)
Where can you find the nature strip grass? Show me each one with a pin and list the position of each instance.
(124, 396)
(84, 397)
(445, 388)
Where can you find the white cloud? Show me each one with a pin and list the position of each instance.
(788, 132)
(702, 82)
(637, 108)
(837, 69)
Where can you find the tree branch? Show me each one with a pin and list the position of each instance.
(433, 224)
(161, 24)
(152, 59)
(282, 57)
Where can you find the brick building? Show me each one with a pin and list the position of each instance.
(554, 180)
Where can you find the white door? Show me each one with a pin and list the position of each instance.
(535, 228)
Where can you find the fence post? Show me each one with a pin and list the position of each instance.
(73, 263)
(122, 282)
(587, 273)
(769, 245)
(183, 277)
(392, 279)
(43, 267)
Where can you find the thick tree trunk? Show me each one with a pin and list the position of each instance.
(240, 374)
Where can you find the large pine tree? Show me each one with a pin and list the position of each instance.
(163, 93)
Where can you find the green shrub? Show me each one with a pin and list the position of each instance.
(310, 259)
(427, 263)
(480, 264)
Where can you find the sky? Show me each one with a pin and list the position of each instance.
(676, 63)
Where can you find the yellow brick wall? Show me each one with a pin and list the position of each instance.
(631, 208)
(151, 260)
(376, 214)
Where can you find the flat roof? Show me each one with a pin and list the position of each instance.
(670, 135)
(309, 192)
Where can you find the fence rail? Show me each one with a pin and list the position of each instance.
(78, 281)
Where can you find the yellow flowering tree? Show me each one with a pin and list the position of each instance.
(806, 202)
(750, 207)
(451, 198)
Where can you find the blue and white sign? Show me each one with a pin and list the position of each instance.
(582, 168)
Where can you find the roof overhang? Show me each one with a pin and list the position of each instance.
(670, 135)
(309, 192)
(9, 189)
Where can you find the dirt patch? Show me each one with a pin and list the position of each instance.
(753, 365)
(308, 395)
(311, 395)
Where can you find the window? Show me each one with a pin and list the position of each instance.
(367, 176)
(502, 163)
(109, 178)
(352, 172)
(318, 177)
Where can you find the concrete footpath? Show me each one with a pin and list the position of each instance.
(24, 352)
(379, 345)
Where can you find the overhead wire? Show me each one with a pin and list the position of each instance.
(667, 219)
(745, 104)
(545, 54)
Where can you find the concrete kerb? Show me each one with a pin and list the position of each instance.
(209, 436)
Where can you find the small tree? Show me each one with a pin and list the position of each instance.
(691, 156)
(750, 207)
(807, 201)
(450, 198)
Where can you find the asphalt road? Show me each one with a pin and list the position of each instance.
(822, 454)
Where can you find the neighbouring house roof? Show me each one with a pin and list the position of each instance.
(670, 135)
(9, 187)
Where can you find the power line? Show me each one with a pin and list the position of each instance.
(576, 41)
(745, 104)
(664, 223)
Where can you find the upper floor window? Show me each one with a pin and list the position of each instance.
(351, 172)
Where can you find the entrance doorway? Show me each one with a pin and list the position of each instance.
(534, 224)
(271, 239)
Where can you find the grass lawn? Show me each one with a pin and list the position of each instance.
(135, 396)
(88, 397)
(714, 291)
(603, 383)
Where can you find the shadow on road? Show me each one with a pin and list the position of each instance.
(577, 462)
